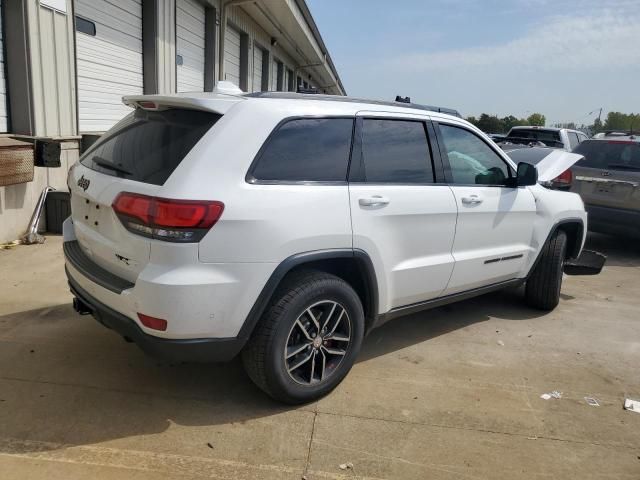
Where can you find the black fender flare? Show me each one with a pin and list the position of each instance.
(576, 248)
(298, 259)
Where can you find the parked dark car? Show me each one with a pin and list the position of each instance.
(608, 180)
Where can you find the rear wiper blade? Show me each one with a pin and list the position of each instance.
(622, 166)
(105, 164)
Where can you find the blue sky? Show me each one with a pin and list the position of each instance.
(563, 58)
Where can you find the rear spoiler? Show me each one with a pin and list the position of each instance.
(216, 103)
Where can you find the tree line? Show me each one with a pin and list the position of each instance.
(494, 124)
(614, 121)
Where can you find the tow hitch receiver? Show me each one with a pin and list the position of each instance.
(588, 263)
(81, 307)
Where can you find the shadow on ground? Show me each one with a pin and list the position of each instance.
(72, 382)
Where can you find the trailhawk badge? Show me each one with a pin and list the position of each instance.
(83, 183)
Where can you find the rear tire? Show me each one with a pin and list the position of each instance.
(316, 320)
(543, 286)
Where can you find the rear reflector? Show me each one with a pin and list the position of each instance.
(167, 219)
(152, 322)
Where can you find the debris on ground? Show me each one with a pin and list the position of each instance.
(10, 245)
(501, 343)
(346, 466)
(209, 445)
(555, 394)
(592, 401)
(632, 405)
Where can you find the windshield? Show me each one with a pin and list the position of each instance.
(551, 138)
(612, 155)
(147, 146)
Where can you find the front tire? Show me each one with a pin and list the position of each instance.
(307, 340)
(543, 286)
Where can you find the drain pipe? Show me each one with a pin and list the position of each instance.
(32, 235)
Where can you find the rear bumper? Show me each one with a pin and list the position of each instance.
(613, 220)
(182, 350)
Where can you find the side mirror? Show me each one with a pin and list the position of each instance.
(527, 174)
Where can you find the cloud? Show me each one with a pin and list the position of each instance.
(604, 39)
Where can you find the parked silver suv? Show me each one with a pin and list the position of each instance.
(608, 180)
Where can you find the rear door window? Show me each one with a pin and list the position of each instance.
(610, 155)
(306, 150)
(573, 140)
(147, 146)
(396, 151)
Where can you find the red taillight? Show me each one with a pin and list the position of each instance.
(133, 205)
(565, 178)
(166, 219)
(148, 105)
(153, 322)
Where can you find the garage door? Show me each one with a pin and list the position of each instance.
(3, 88)
(109, 59)
(232, 55)
(258, 56)
(274, 76)
(190, 46)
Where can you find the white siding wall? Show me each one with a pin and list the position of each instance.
(232, 55)
(190, 45)
(109, 63)
(3, 88)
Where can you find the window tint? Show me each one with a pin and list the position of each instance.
(582, 137)
(147, 146)
(395, 151)
(308, 149)
(471, 161)
(573, 140)
(610, 155)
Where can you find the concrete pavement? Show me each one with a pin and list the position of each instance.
(450, 393)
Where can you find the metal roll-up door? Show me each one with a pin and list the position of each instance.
(190, 28)
(3, 84)
(109, 60)
(273, 86)
(232, 55)
(258, 56)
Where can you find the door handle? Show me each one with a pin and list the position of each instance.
(471, 200)
(374, 201)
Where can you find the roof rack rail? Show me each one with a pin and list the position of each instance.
(340, 98)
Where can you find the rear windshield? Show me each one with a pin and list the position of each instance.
(610, 154)
(147, 146)
(529, 155)
(551, 138)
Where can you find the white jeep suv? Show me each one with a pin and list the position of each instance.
(284, 227)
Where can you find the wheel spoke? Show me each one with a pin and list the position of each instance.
(338, 338)
(301, 362)
(324, 364)
(326, 320)
(335, 325)
(294, 350)
(304, 330)
(314, 319)
(334, 351)
(313, 365)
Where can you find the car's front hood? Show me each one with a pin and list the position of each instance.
(555, 163)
